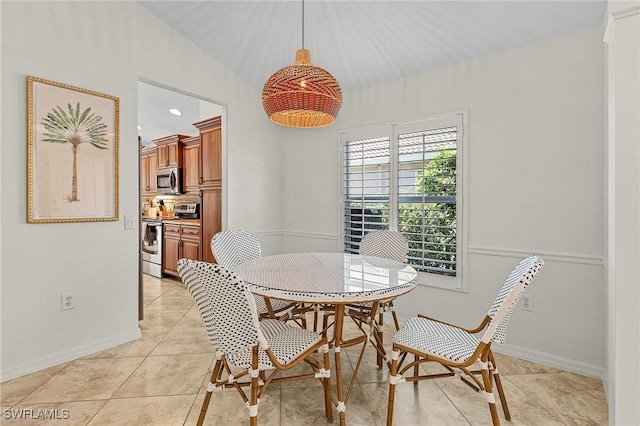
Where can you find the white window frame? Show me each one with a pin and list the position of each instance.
(392, 130)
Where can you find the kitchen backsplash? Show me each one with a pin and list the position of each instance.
(169, 202)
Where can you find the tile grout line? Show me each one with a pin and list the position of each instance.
(446, 395)
(532, 399)
(39, 386)
(145, 357)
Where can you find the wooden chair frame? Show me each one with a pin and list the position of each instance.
(488, 370)
(229, 314)
(455, 347)
(259, 383)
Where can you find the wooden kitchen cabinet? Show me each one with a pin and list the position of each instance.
(190, 242)
(171, 249)
(210, 220)
(180, 241)
(191, 168)
(210, 152)
(210, 182)
(170, 150)
(148, 170)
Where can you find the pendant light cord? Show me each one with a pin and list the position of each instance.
(303, 24)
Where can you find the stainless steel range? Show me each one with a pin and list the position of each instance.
(152, 247)
(187, 211)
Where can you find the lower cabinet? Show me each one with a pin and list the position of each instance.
(180, 241)
(190, 240)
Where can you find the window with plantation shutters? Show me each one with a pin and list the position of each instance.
(366, 188)
(406, 177)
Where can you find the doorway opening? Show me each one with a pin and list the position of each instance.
(164, 112)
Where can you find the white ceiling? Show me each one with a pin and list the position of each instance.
(360, 42)
(155, 119)
(367, 42)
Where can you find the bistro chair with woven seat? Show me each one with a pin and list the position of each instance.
(389, 245)
(234, 247)
(260, 349)
(457, 349)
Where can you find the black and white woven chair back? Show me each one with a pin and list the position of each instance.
(508, 297)
(226, 306)
(234, 247)
(387, 244)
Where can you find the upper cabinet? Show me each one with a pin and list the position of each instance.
(148, 167)
(210, 181)
(210, 152)
(170, 150)
(191, 168)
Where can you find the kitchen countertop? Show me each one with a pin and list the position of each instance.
(192, 222)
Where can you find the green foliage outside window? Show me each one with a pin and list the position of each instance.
(430, 225)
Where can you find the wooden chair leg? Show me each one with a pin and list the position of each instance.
(303, 318)
(271, 313)
(253, 401)
(325, 325)
(381, 334)
(207, 398)
(501, 394)
(392, 386)
(488, 391)
(328, 403)
(395, 316)
(416, 369)
(315, 318)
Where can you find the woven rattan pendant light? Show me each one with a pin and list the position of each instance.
(302, 95)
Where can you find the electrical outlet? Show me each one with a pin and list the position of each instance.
(67, 301)
(527, 302)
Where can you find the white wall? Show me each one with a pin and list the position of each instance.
(106, 47)
(535, 140)
(622, 38)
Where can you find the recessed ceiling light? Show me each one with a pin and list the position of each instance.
(139, 127)
(175, 111)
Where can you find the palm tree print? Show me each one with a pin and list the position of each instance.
(75, 128)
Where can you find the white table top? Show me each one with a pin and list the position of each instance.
(327, 277)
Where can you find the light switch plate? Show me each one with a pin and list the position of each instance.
(129, 222)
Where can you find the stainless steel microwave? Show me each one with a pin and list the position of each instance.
(169, 180)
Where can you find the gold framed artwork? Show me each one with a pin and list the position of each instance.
(72, 154)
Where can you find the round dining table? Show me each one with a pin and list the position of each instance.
(336, 280)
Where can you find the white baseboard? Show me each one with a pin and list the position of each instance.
(551, 360)
(50, 360)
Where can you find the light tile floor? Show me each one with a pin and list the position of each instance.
(161, 379)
